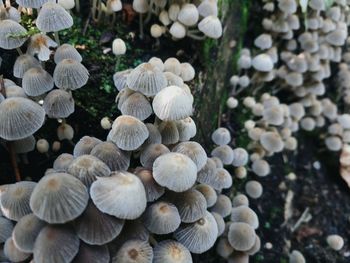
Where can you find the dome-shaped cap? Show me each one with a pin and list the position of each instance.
(169, 132)
(208, 192)
(173, 80)
(119, 79)
(26, 231)
(211, 27)
(188, 15)
(261, 167)
(221, 136)
(240, 200)
(59, 198)
(12, 253)
(24, 145)
(254, 189)
(223, 206)
(151, 153)
(134, 251)
(70, 74)
(220, 222)
(154, 135)
(92, 254)
(246, 215)
(9, 28)
(58, 104)
(240, 157)
(6, 228)
(207, 174)
(50, 239)
(274, 115)
(128, 133)
(112, 194)
(272, 142)
(153, 190)
(207, 8)
(15, 91)
(296, 257)
(62, 162)
(97, 228)
(161, 218)
(241, 236)
(175, 171)
(194, 151)
(200, 236)
(67, 51)
(223, 248)
(14, 200)
(23, 63)
(53, 17)
(147, 79)
(263, 63)
(221, 179)
(172, 103)
(31, 3)
(170, 251)
(187, 129)
(137, 105)
(85, 146)
(19, 118)
(36, 82)
(173, 65)
(224, 153)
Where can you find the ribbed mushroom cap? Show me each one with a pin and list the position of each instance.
(161, 218)
(262, 62)
(335, 242)
(70, 74)
(172, 65)
(23, 63)
(187, 72)
(188, 15)
(12, 253)
(220, 223)
(19, 118)
(26, 231)
(134, 251)
(254, 189)
(24, 145)
(14, 91)
(246, 215)
(97, 228)
(207, 8)
(223, 248)
(187, 129)
(223, 206)
(112, 195)
(200, 236)
(151, 153)
(221, 179)
(296, 257)
(256, 247)
(224, 153)
(67, 51)
(58, 104)
(194, 151)
(241, 236)
(208, 192)
(53, 17)
(14, 201)
(175, 171)
(137, 105)
(172, 103)
(207, 174)
(128, 133)
(240, 200)
(169, 132)
(211, 27)
(272, 142)
(50, 239)
(274, 115)
(153, 190)
(6, 228)
(154, 135)
(170, 251)
(36, 82)
(92, 254)
(191, 205)
(59, 198)
(31, 3)
(261, 167)
(263, 41)
(119, 79)
(147, 79)
(240, 157)
(221, 136)
(62, 162)
(9, 28)
(88, 168)
(85, 146)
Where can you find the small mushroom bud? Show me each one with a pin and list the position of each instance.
(118, 47)
(336, 242)
(156, 31)
(56, 146)
(106, 123)
(42, 146)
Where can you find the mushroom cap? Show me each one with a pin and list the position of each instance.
(37, 81)
(58, 198)
(154, 135)
(256, 247)
(151, 153)
(241, 236)
(187, 129)
(169, 132)
(177, 30)
(53, 17)
(223, 248)
(92, 254)
(274, 115)
(6, 228)
(23, 63)
(262, 62)
(207, 174)
(224, 153)
(9, 28)
(240, 157)
(272, 142)
(62, 162)
(246, 215)
(146, 79)
(173, 79)
(172, 103)
(26, 231)
(223, 206)
(24, 145)
(118, 47)
(211, 27)
(199, 236)
(296, 257)
(161, 218)
(112, 194)
(221, 136)
(88, 168)
(220, 222)
(240, 200)
(157, 62)
(261, 167)
(253, 189)
(31, 3)
(188, 15)
(67, 51)
(58, 104)
(12, 253)
(335, 242)
(263, 41)
(85, 146)
(170, 251)
(97, 228)
(137, 105)
(175, 171)
(14, 91)
(208, 8)
(140, 6)
(187, 72)
(14, 200)
(172, 65)
(153, 190)
(52, 237)
(19, 118)
(194, 151)
(134, 251)
(119, 79)
(238, 257)
(221, 179)
(128, 133)
(70, 74)
(208, 192)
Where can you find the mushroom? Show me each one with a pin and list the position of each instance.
(66, 51)
(241, 236)
(171, 251)
(36, 82)
(134, 251)
(58, 104)
(12, 35)
(12, 253)
(92, 254)
(70, 74)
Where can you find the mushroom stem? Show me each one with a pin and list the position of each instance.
(141, 26)
(57, 38)
(77, 5)
(117, 64)
(93, 11)
(19, 51)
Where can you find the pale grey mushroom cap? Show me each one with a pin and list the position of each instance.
(26, 231)
(70, 74)
(53, 17)
(161, 218)
(134, 250)
(220, 222)
(23, 63)
(224, 153)
(241, 236)
(59, 198)
(24, 145)
(188, 15)
(172, 103)
(263, 63)
(37, 81)
(200, 236)
(187, 129)
(256, 247)
(335, 242)
(207, 174)
(175, 171)
(254, 189)
(92, 254)
(19, 118)
(128, 133)
(221, 136)
(240, 157)
(211, 27)
(67, 51)
(261, 167)
(240, 200)
(10, 28)
(246, 215)
(207, 8)
(85, 146)
(58, 104)
(112, 194)
(151, 153)
(221, 179)
(62, 162)
(272, 142)
(223, 206)
(296, 257)
(15, 91)
(223, 248)
(50, 239)
(194, 151)
(153, 190)
(147, 79)
(137, 105)
(31, 3)
(154, 135)
(12, 253)
(208, 192)
(6, 228)
(170, 251)
(97, 228)
(119, 79)
(169, 132)
(14, 201)
(11, 13)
